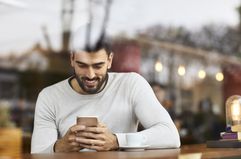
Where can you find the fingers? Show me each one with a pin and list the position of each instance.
(90, 142)
(97, 130)
(73, 144)
(76, 128)
(71, 138)
(93, 147)
(100, 124)
(90, 135)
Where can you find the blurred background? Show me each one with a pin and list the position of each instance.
(188, 50)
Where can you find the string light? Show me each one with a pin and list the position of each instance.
(201, 74)
(158, 66)
(181, 70)
(219, 76)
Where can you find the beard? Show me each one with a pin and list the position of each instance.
(91, 86)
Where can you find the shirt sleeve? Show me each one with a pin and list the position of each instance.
(160, 131)
(121, 137)
(45, 131)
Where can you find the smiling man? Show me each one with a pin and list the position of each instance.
(90, 70)
(119, 100)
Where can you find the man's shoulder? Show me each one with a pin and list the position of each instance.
(126, 79)
(125, 75)
(55, 87)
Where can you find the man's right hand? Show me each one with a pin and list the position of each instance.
(68, 142)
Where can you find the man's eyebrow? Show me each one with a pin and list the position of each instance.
(82, 63)
(99, 63)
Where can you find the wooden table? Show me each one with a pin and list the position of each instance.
(185, 152)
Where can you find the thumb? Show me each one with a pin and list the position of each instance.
(76, 128)
(100, 124)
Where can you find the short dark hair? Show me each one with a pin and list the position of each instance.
(78, 43)
(100, 44)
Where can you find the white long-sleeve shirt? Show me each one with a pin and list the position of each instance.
(126, 100)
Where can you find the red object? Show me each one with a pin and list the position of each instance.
(127, 57)
(232, 81)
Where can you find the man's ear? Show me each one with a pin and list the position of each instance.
(72, 59)
(110, 59)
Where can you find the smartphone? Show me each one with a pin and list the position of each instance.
(89, 121)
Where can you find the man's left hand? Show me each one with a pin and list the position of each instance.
(97, 138)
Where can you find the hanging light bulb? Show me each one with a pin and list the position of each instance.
(181, 70)
(158, 66)
(219, 76)
(231, 137)
(233, 112)
(201, 74)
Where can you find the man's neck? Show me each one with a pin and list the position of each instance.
(74, 84)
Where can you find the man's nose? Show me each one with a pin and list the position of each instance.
(90, 73)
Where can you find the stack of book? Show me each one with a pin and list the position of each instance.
(229, 139)
(230, 135)
(233, 134)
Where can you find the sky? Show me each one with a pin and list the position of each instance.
(20, 27)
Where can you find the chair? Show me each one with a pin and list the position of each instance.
(10, 143)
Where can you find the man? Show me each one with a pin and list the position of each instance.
(120, 100)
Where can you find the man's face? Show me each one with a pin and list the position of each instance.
(91, 69)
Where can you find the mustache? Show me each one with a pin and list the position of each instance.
(90, 79)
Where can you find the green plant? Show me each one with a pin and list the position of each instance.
(5, 115)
